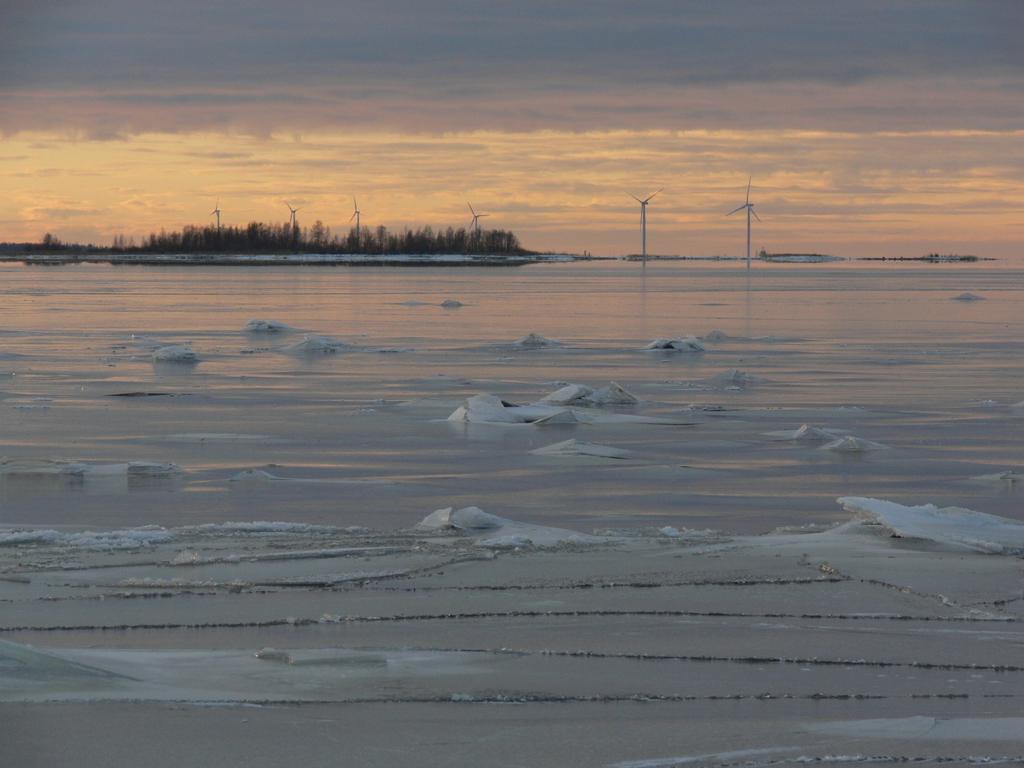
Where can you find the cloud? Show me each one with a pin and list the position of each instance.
(116, 66)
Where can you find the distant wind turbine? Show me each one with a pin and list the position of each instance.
(475, 223)
(293, 212)
(750, 212)
(355, 215)
(217, 211)
(643, 221)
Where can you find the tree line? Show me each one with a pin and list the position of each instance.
(259, 237)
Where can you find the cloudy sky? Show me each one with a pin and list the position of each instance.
(870, 128)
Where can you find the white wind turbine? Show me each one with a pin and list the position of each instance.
(293, 211)
(216, 211)
(643, 222)
(355, 215)
(750, 212)
(475, 223)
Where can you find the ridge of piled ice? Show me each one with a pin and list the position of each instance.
(451, 304)
(806, 433)
(968, 296)
(258, 526)
(684, 344)
(582, 395)
(734, 379)
(535, 341)
(266, 326)
(42, 468)
(175, 353)
(953, 526)
(853, 444)
(315, 345)
(716, 335)
(127, 538)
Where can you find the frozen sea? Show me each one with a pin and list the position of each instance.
(618, 612)
(884, 352)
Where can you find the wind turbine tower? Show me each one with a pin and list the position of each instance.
(355, 215)
(643, 222)
(216, 211)
(750, 212)
(475, 223)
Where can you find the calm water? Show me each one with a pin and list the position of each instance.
(882, 351)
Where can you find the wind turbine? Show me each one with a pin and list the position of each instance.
(750, 212)
(475, 223)
(293, 212)
(355, 215)
(643, 221)
(217, 211)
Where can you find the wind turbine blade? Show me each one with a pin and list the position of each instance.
(351, 217)
(749, 180)
(651, 196)
(471, 209)
(482, 215)
(355, 205)
(637, 199)
(755, 214)
(737, 210)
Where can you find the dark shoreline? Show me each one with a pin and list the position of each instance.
(278, 260)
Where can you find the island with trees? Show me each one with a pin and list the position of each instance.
(259, 243)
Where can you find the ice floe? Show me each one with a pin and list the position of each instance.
(1011, 478)
(175, 353)
(312, 345)
(852, 444)
(954, 526)
(968, 296)
(267, 326)
(494, 532)
(575, 447)
(452, 304)
(535, 341)
(685, 344)
(489, 409)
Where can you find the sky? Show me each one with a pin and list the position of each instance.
(868, 128)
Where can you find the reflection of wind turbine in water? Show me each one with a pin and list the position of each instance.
(750, 212)
(217, 211)
(475, 223)
(293, 211)
(643, 222)
(355, 215)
